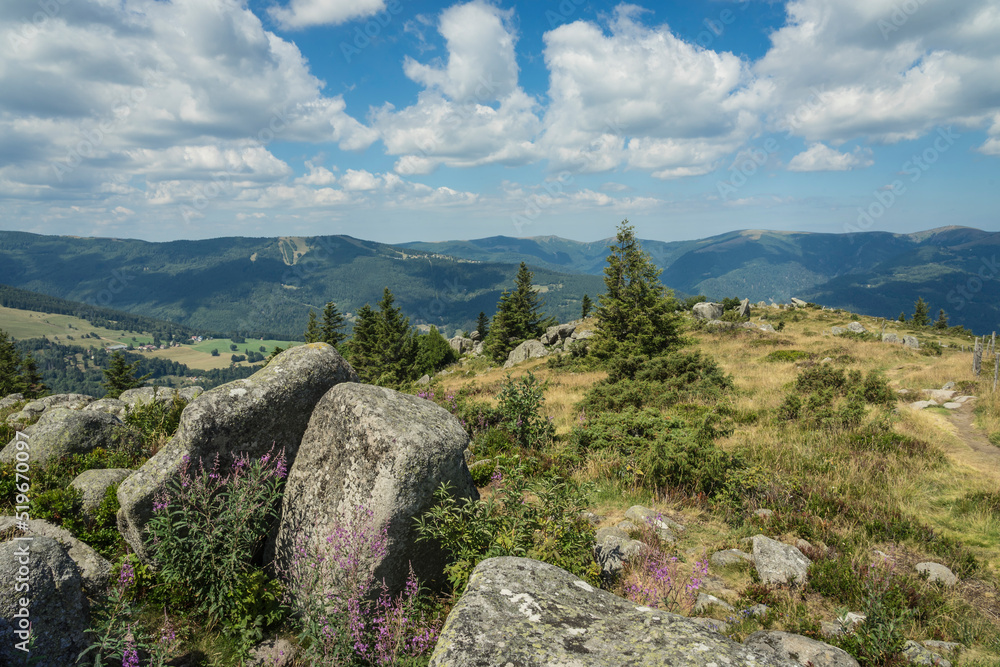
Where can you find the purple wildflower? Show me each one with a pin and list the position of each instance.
(131, 656)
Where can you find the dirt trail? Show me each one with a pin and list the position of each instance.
(982, 454)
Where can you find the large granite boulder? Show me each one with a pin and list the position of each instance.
(383, 450)
(58, 611)
(529, 349)
(93, 484)
(271, 408)
(707, 310)
(95, 570)
(803, 650)
(60, 432)
(744, 310)
(779, 563)
(857, 327)
(911, 342)
(517, 611)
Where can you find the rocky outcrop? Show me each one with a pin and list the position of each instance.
(911, 342)
(461, 344)
(37, 408)
(61, 432)
(93, 484)
(58, 612)
(164, 395)
(729, 557)
(857, 327)
(523, 612)
(890, 338)
(915, 654)
(94, 569)
(779, 563)
(10, 400)
(110, 405)
(269, 409)
(558, 333)
(375, 448)
(707, 310)
(798, 303)
(802, 650)
(529, 349)
(744, 310)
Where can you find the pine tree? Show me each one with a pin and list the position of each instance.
(312, 328)
(333, 324)
(501, 338)
(119, 376)
(18, 374)
(636, 313)
(902, 317)
(586, 306)
(362, 348)
(526, 306)
(483, 325)
(397, 346)
(921, 313)
(942, 320)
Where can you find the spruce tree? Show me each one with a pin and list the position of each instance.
(397, 346)
(921, 313)
(483, 325)
(312, 328)
(362, 348)
(942, 320)
(333, 324)
(501, 338)
(636, 313)
(119, 376)
(586, 306)
(902, 317)
(18, 374)
(526, 306)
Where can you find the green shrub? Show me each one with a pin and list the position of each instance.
(540, 520)
(880, 637)
(790, 408)
(931, 348)
(995, 438)
(638, 381)
(821, 377)
(62, 507)
(520, 412)
(482, 473)
(656, 452)
(152, 421)
(787, 355)
(492, 441)
(836, 579)
(877, 391)
(207, 526)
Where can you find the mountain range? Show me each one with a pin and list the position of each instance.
(266, 286)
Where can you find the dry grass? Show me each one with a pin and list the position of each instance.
(927, 488)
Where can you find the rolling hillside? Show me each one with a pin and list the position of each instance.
(267, 286)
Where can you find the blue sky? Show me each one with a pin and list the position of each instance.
(398, 120)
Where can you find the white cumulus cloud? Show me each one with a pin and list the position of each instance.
(819, 157)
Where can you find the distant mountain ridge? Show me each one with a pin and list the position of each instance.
(267, 285)
(876, 273)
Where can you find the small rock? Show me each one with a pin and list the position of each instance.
(828, 629)
(920, 405)
(852, 618)
(766, 327)
(890, 338)
(612, 548)
(915, 654)
(802, 544)
(946, 387)
(836, 331)
(93, 484)
(799, 303)
(424, 380)
(826, 360)
(707, 310)
(594, 519)
(664, 526)
(800, 649)
(939, 395)
(779, 563)
(951, 405)
(946, 647)
(937, 572)
(705, 601)
(964, 399)
(911, 342)
(628, 526)
(763, 513)
(729, 557)
(272, 653)
(856, 327)
(758, 610)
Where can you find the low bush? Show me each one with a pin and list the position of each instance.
(344, 616)
(539, 520)
(207, 526)
(655, 452)
(787, 355)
